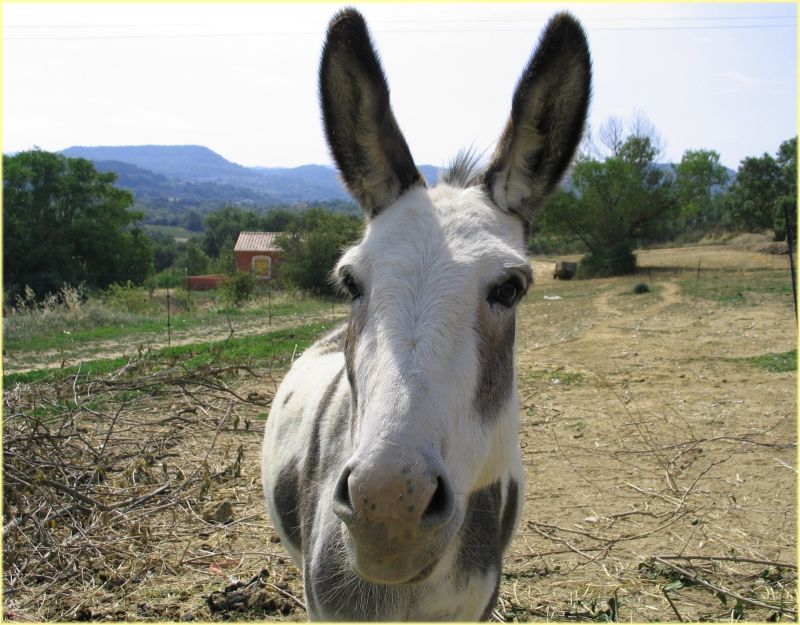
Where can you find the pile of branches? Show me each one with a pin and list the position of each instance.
(88, 463)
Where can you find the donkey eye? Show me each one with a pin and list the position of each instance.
(506, 293)
(352, 286)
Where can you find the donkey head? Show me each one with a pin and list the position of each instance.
(434, 282)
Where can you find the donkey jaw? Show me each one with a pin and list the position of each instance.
(384, 577)
(396, 562)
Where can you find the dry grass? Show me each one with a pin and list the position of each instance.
(123, 496)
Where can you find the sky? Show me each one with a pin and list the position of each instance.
(241, 79)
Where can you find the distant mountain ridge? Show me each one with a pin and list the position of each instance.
(185, 172)
(172, 179)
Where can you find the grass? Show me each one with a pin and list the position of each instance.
(276, 347)
(68, 319)
(552, 376)
(737, 288)
(782, 362)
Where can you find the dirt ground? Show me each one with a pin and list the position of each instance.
(661, 469)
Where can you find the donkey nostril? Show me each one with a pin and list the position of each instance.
(440, 506)
(342, 504)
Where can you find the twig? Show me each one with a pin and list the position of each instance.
(696, 578)
(731, 559)
(672, 605)
(288, 595)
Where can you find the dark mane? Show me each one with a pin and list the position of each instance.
(464, 170)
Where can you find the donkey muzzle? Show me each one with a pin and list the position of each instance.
(397, 507)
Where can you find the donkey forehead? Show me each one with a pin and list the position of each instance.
(439, 228)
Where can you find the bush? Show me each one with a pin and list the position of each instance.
(616, 261)
(168, 279)
(235, 289)
(129, 299)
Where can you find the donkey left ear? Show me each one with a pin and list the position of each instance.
(362, 133)
(547, 118)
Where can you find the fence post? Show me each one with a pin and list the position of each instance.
(169, 325)
(791, 257)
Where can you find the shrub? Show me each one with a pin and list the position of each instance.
(168, 279)
(130, 299)
(236, 288)
(612, 261)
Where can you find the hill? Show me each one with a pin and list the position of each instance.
(180, 171)
(193, 172)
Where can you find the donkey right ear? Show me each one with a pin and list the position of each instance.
(364, 138)
(547, 117)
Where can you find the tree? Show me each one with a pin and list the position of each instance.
(165, 250)
(765, 189)
(66, 223)
(275, 220)
(699, 177)
(192, 259)
(614, 202)
(787, 196)
(751, 202)
(312, 243)
(193, 221)
(224, 225)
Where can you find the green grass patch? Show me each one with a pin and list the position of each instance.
(775, 363)
(61, 329)
(737, 287)
(276, 348)
(552, 376)
(67, 338)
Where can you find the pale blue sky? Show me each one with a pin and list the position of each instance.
(241, 78)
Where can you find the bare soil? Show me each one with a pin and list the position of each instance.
(661, 469)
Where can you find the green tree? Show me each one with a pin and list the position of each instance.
(66, 223)
(787, 195)
(312, 243)
(193, 221)
(276, 220)
(224, 225)
(165, 250)
(192, 259)
(613, 203)
(698, 178)
(752, 198)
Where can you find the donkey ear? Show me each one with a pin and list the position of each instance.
(547, 118)
(362, 133)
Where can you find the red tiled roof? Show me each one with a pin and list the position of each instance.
(257, 242)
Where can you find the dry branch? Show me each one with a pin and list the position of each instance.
(725, 591)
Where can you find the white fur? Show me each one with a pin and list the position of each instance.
(426, 264)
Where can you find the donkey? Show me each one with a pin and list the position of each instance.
(390, 463)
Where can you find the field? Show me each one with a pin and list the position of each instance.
(658, 434)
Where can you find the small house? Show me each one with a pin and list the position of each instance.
(257, 253)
